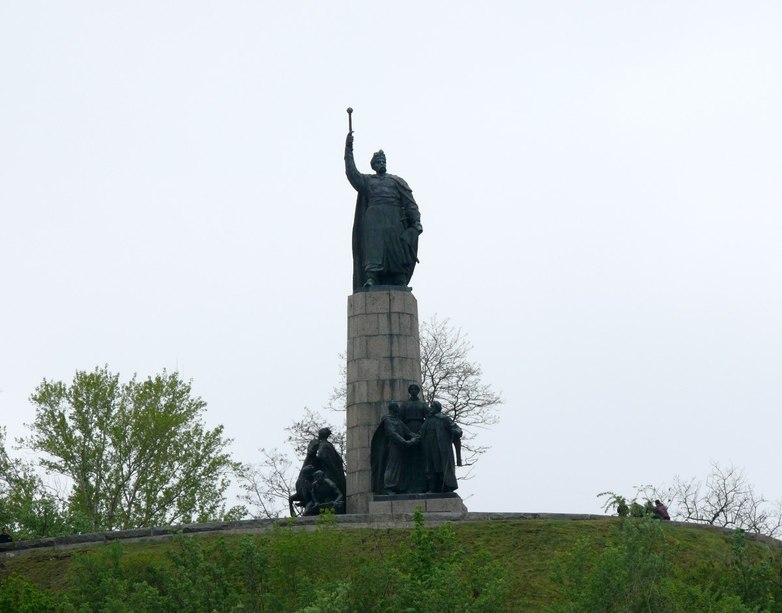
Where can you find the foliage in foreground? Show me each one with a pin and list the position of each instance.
(287, 570)
(638, 573)
(636, 565)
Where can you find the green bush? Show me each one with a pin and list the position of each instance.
(625, 565)
(637, 573)
(755, 578)
(18, 595)
(431, 573)
(293, 570)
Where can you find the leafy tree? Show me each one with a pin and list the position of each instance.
(137, 453)
(27, 505)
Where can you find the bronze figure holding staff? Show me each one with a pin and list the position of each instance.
(386, 225)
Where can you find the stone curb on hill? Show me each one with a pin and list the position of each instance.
(259, 526)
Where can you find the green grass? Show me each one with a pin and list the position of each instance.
(528, 550)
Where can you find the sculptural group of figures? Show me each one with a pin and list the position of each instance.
(413, 449)
(321, 483)
(412, 452)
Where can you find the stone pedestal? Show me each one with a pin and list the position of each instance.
(383, 359)
(406, 504)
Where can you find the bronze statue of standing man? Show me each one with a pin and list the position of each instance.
(413, 413)
(439, 436)
(386, 224)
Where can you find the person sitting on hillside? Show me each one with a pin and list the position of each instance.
(660, 511)
(5, 537)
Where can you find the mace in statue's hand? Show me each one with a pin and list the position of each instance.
(349, 139)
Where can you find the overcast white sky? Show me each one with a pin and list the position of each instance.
(598, 183)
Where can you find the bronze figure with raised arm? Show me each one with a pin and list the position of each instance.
(386, 224)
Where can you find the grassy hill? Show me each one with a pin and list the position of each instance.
(511, 565)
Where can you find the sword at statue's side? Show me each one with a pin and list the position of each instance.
(350, 119)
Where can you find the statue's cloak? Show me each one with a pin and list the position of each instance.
(409, 236)
(438, 434)
(330, 462)
(378, 456)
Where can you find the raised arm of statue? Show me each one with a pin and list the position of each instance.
(354, 176)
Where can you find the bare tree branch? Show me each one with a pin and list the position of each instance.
(268, 485)
(727, 499)
(452, 379)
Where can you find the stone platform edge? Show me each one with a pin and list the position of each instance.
(343, 522)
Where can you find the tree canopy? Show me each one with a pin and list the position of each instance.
(27, 505)
(137, 453)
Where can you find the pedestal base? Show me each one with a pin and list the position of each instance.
(406, 504)
(383, 359)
